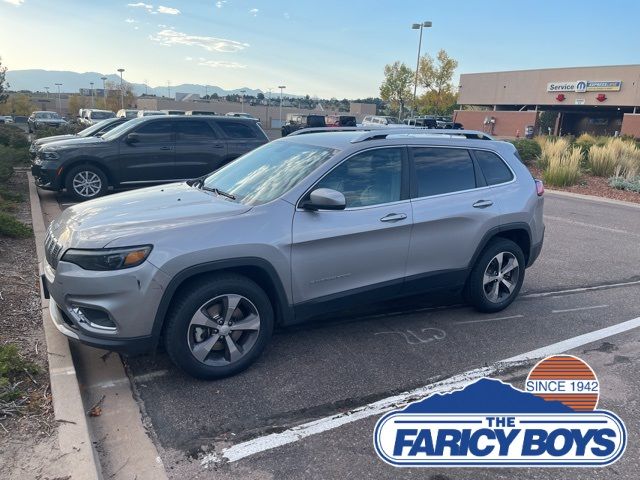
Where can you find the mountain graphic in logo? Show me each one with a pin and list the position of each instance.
(486, 396)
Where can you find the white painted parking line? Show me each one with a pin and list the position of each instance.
(297, 433)
(482, 320)
(581, 289)
(591, 225)
(577, 309)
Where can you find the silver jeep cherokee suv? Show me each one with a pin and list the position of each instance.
(304, 225)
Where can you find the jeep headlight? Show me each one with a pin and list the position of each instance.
(107, 258)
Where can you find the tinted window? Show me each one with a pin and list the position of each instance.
(368, 178)
(494, 169)
(443, 170)
(237, 130)
(194, 130)
(154, 132)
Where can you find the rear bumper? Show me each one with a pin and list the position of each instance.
(535, 252)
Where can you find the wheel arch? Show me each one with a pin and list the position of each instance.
(94, 162)
(519, 233)
(256, 269)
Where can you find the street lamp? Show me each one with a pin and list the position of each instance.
(242, 92)
(91, 83)
(104, 90)
(121, 88)
(418, 26)
(59, 101)
(281, 87)
(267, 112)
(47, 89)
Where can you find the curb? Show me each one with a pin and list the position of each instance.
(593, 198)
(73, 431)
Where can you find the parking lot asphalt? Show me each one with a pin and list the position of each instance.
(587, 278)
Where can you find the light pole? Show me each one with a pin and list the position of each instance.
(169, 88)
(59, 101)
(104, 90)
(47, 89)
(267, 112)
(242, 92)
(121, 88)
(91, 83)
(418, 26)
(281, 87)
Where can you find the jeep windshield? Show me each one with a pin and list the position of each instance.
(267, 172)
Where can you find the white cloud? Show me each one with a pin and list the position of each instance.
(254, 12)
(220, 3)
(17, 3)
(131, 20)
(188, 59)
(171, 37)
(168, 10)
(146, 6)
(287, 16)
(220, 64)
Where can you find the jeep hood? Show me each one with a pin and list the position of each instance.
(148, 211)
(55, 138)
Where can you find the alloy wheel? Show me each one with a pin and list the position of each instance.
(223, 330)
(501, 277)
(87, 183)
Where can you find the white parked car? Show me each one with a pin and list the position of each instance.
(127, 113)
(149, 113)
(6, 119)
(381, 121)
(91, 116)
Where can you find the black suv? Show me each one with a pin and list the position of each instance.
(298, 122)
(144, 151)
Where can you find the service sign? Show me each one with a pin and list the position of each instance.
(553, 422)
(582, 86)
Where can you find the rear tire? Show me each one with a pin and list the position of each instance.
(219, 327)
(86, 182)
(496, 277)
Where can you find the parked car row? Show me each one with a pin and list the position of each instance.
(6, 119)
(142, 151)
(298, 121)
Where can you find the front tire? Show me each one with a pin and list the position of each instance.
(220, 327)
(497, 276)
(86, 182)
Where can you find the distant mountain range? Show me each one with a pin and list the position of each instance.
(72, 82)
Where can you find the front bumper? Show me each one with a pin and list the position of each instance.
(48, 175)
(125, 300)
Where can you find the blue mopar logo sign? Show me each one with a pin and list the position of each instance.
(581, 86)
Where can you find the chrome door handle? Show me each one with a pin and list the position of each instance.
(482, 204)
(393, 217)
(166, 148)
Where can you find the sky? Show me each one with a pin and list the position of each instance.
(327, 48)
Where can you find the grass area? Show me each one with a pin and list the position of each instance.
(14, 370)
(13, 153)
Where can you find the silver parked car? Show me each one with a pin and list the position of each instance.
(304, 225)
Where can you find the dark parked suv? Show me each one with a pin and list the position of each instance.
(144, 151)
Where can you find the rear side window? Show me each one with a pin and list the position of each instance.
(237, 130)
(493, 168)
(442, 170)
(194, 130)
(154, 132)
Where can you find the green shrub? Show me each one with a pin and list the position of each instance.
(621, 183)
(12, 136)
(70, 128)
(563, 168)
(528, 150)
(10, 196)
(11, 227)
(13, 368)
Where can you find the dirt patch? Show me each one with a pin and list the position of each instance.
(597, 186)
(28, 439)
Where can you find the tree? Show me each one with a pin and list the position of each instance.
(17, 104)
(3, 85)
(76, 102)
(260, 96)
(396, 86)
(113, 101)
(436, 78)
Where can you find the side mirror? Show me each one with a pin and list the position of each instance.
(325, 199)
(132, 138)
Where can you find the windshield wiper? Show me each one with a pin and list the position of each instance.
(199, 183)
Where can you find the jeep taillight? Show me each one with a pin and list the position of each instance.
(539, 187)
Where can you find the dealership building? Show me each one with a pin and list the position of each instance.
(595, 100)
